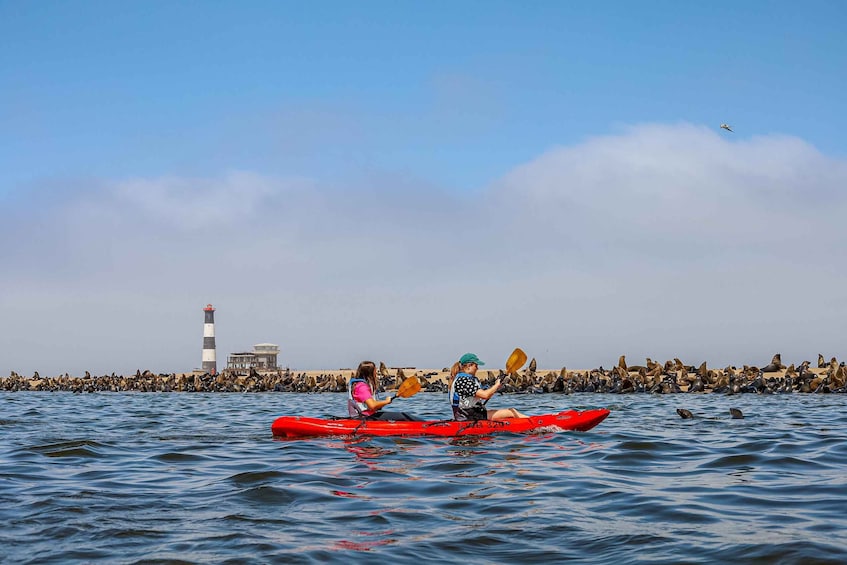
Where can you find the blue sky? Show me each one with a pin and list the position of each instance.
(409, 139)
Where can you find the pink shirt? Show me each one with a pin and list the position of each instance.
(361, 392)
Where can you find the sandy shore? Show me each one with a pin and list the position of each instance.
(431, 375)
(483, 374)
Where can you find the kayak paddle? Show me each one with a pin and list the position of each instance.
(409, 387)
(515, 361)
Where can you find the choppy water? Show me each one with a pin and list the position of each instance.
(126, 478)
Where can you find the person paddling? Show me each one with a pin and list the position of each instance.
(363, 400)
(467, 397)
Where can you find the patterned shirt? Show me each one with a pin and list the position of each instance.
(465, 387)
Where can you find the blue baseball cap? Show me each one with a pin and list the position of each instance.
(470, 358)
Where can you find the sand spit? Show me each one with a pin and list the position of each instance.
(670, 377)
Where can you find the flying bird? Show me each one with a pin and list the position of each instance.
(726, 127)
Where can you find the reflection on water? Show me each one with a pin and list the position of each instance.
(197, 477)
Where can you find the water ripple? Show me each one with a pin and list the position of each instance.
(196, 478)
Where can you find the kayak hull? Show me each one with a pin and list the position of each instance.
(302, 426)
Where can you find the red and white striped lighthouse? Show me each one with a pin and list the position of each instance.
(210, 364)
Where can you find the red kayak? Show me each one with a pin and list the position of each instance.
(301, 426)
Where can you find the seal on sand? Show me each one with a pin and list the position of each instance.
(774, 366)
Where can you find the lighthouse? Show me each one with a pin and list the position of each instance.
(210, 365)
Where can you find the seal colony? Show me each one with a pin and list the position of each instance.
(673, 376)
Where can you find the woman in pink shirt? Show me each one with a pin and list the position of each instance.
(362, 399)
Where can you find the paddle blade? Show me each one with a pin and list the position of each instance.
(515, 361)
(409, 387)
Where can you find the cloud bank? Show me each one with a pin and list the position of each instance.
(660, 240)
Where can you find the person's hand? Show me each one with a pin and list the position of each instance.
(390, 399)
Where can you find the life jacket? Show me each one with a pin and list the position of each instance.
(355, 408)
(466, 408)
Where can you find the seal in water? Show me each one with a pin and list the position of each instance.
(736, 413)
(684, 414)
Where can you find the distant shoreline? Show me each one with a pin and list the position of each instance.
(671, 377)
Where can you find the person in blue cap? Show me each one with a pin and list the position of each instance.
(468, 398)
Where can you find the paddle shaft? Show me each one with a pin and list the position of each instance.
(513, 363)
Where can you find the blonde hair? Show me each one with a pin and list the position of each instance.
(454, 370)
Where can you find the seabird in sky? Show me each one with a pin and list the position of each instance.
(726, 127)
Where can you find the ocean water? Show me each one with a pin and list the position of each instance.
(198, 478)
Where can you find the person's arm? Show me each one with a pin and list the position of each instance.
(374, 404)
(362, 389)
(486, 393)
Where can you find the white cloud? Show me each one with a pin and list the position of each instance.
(656, 190)
(660, 241)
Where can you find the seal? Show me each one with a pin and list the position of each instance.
(736, 413)
(684, 414)
(839, 378)
(697, 385)
(774, 366)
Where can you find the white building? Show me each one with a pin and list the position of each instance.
(262, 358)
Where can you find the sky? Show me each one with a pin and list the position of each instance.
(409, 181)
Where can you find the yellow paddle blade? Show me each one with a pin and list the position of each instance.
(515, 361)
(409, 387)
